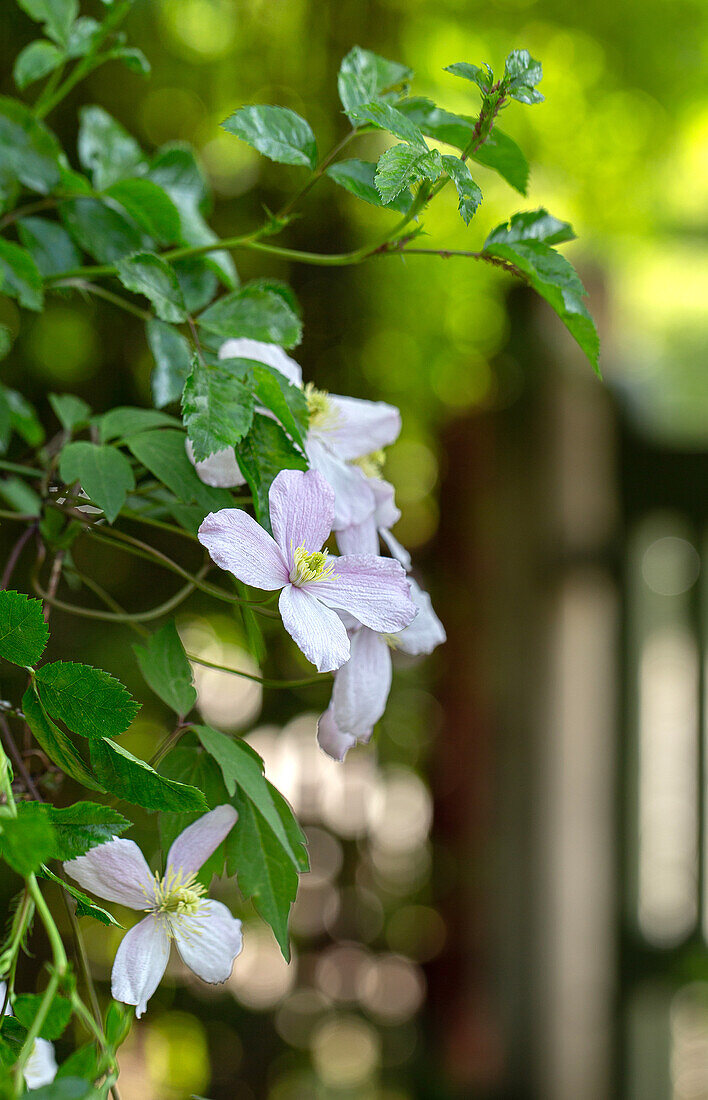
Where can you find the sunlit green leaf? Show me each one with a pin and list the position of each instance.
(385, 117)
(132, 779)
(402, 165)
(276, 132)
(364, 77)
(88, 700)
(469, 194)
(357, 177)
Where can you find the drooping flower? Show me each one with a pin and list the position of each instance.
(313, 586)
(221, 470)
(207, 937)
(361, 686)
(41, 1066)
(363, 537)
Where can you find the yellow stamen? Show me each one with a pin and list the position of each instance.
(372, 464)
(310, 567)
(177, 894)
(321, 410)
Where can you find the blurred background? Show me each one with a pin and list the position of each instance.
(509, 893)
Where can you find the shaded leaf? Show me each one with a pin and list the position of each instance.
(217, 405)
(173, 360)
(147, 273)
(124, 421)
(105, 148)
(50, 245)
(150, 206)
(88, 700)
(287, 402)
(385, 117)
(163, 453)
(357, 177)
(71, 411)
(84, 906)
(83, 826)
(26, 1007)
(23, 631)
(30, 152)
(56, 15)
(101, 230)
(19, 275)
(134, 780)
(166, 670)
(58, 747)
(38, 59)
(255, 312)
(26, 841)
(532, 225)
(104, 473)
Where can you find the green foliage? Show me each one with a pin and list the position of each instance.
(276, 132)
(19, 276)
(103, 231)
(403, 165)
(166, 670)
(357, 177)
(88, 700)
(71, 411)
(103, 472)
(27, 840)
(84, 906)
(288, 403)
(255, 312)
(59, 748)
(83, 826)
(261, 455)
(30, 152)
(365, 77)
(217, 405)
(385, 117)
(521, 74)
(147, 273)
(150, 206)
(25, 1008)
(163, 454)
(50, 246)
(105, 149)
(56, 15)
(125, 775)
(173, 358)
(23, 631)
(124, 421)
(38, 59)
(483, 77)
(469, 193)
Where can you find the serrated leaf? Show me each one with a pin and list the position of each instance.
(103, 472)
(23, 631)
(103, 231)
(469, 194)
(71, 411)
(147, 273)
(84, 906)
(150, 206)
(295, 834)
(163, 453)
(173, 359)
(58, 747)
(217, 405)
(254, 312)
(19, 275)
(38, 59)
(287, 402)
(357, 177)
(482, 76)
(385, 117)
(261, 456)
(532, 225)
(124, 421)
(134, 780)
(26, 1007)
(57, 16)
(30, 152)
(364, 76)
(198, 281)
(26, 841)
(106, 149)
(403, 165)
(521, 74)
(88, 700)
(50, 245)
(554, 279)
(276, 132)
(83, 826)
(166, 670)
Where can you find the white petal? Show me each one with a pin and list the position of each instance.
(196, 843)
(361, 686)
(140, 963)
(374, 590)
(240, 545)
(116, 871)
(426, 631)
(270, 354)
(319, 632)
(301, 511)
(210, 942)
(386, 514)
(360, 538)
(220, 470)
(41, 1066)
(331, 739)
(360, 427)
(354, 499)
(397, 551)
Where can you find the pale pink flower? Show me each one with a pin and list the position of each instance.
(207, 937)
(313, 586)
(41, 1066)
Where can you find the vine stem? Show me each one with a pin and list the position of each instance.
(258, 679)
(15, 555)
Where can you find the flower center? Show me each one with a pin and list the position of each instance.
(320, 409)
(372, 464)
(177, 894)
(310, 567)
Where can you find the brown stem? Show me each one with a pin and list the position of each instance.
(14, 752)
(15, 554)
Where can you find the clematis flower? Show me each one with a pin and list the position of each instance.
(313, 586)
(41, 1066)
(363, 538)
(221, 470)
(361, 686)
(207, 937)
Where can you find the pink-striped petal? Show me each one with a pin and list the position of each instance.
(331, 739)
(140, 963)
(270, 354)
(426, 631)
(116, 871)
(397, 551)
(301, 511)
(354, 499)
(357, 428)
(374, 590)
(361, 686)
(196, 843)
(359, 538)
(319, 632)
(209, 942)
(240, 545)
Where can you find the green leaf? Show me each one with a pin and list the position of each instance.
(357, 177)
(163, 454)
(217, 406)
(483, 76)
(287, 402)
(23, 419)
(20, 276)
(57, 16)
(173, 359)
(71, 411)
(402, 165)
(124, 421)
(82, 37)
(83, 826)
(166, 670)
(38, 59)
(295, 834)
(85, 1062)
(468, 192)
(99, 229)
(265, 872)
(119, 1020)
(26, 1007)
(276, 132)
(106, 149)
(521, 74)
(264, 452)
(5, 341)
(50, 245)
(554, 279)
(124, 775)
(84, 906)
(58, 747)
(532, 225)
(198, 281)
(364, 76)
(30, 152)
(254, 312)
(242, 767)
(189, 763)
(385, 117)
(88, 700)
(150, 206)
(104, 473)
(20, 496)
(148, 274)
(26, 841)
(23, 631)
